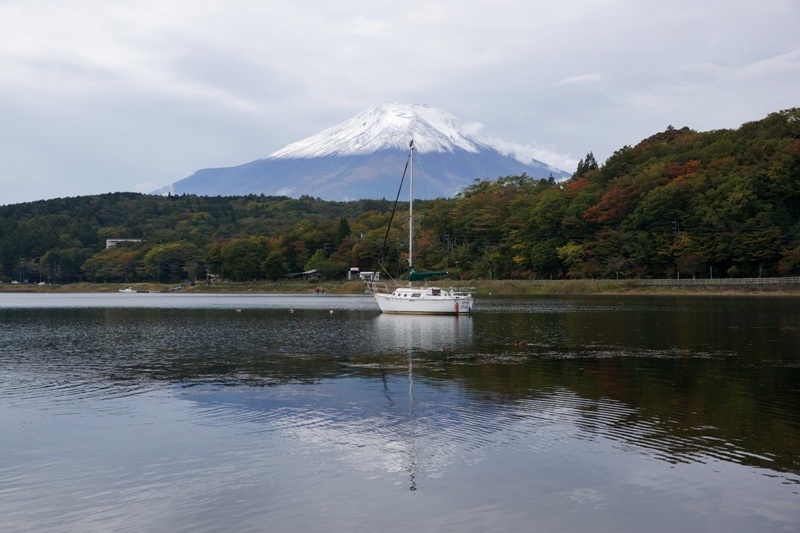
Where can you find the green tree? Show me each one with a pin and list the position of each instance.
(586, 166)
(172, 261)
(343, 231)
(116, 264)
(242, 259)
(316, 260)
(328, 266)
(275, 266)
(545, 261)
(573, 255)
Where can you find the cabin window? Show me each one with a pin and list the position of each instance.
(415, 295)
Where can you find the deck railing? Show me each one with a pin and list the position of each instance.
(377, 287)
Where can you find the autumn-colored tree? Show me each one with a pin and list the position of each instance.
(678, 202)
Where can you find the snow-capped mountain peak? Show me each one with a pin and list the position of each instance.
(387, 126)
(364, 157)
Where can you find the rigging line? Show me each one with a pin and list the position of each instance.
(391, 218)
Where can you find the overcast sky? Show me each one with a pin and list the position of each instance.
(130, 95)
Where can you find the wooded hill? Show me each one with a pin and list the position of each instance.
(719, 203)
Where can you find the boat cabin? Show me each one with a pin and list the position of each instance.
(416, 292)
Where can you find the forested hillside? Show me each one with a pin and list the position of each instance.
(719, 203)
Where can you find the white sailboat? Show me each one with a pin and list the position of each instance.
(422, 300)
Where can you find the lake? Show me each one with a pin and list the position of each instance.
(182, 412)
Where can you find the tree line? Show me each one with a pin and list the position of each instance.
(679, 203)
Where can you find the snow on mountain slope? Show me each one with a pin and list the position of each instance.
(364, 158)
(386, 126)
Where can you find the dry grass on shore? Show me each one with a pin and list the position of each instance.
(485, 287)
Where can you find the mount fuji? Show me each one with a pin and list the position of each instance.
(364, 158)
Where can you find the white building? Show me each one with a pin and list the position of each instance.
(114, 242)
(356, 274)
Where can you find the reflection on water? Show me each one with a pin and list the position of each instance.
(423, 332)
(220, 413)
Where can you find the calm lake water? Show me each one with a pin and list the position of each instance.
(170, 412)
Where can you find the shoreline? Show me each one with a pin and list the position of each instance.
(482, 287)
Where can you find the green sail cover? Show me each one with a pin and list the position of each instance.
(417, 276)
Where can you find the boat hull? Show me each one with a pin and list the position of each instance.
(444, 305)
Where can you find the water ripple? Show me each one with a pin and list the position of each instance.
(196, 417)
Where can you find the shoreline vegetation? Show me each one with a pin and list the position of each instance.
(734, 286)
(679, 205)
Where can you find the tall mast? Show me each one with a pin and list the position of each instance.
(411, 208)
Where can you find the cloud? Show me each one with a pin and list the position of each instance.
(472, 129)
(366, 27)
(544, 154)
(584, 78)
(99, 96)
